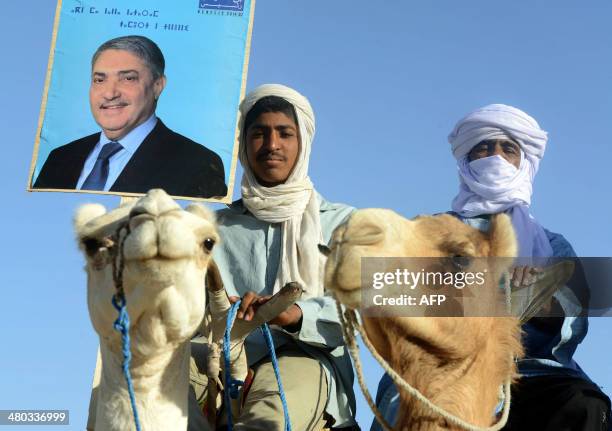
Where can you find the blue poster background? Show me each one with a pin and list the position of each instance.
(204, 43)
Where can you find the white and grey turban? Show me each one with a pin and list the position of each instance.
(491, 185)
(496, 122)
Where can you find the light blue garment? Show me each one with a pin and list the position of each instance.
(546, 354)
(248, 259)
(118, 161)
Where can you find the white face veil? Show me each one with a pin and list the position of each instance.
(294, 203)
(492, 185)
(504, 186)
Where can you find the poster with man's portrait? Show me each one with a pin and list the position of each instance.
(143, 94)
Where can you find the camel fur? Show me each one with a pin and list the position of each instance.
(164, 252)
(459, 363)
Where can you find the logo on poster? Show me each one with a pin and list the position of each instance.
(233, 5)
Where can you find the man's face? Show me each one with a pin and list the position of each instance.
(122, 94)
(272, 147)
(509, 150)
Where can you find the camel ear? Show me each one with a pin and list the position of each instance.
(501, 237)
(92, 220)
(201, 211)
(85, 214)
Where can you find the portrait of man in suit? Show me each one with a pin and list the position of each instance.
(134, 151)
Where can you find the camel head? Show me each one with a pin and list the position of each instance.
(384, 233)
(457, 362)
(161, 256)
(161, 252)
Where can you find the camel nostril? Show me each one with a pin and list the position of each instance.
(137, 211)
(138, 218)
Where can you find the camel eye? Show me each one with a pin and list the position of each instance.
(208, 244)
(93, 246)
(460, 262)
(324, 250)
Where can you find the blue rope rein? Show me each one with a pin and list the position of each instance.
(122, 324)
(265, 329)
(233, 385)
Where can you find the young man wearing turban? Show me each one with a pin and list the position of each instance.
(271, 237)
(498, 150)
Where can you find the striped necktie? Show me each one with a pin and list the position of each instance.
(96, 180)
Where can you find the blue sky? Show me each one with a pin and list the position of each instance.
(387, 80)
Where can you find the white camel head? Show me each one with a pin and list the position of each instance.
(159, 255)
(162, 253)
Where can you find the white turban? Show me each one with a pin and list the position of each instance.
(492, 185)
(481, 194)
(294, 203)
(494, 120)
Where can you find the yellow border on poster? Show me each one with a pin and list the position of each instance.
(245, 68)
(230, 187)
(43, 103)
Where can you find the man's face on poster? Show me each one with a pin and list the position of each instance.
(123, 93)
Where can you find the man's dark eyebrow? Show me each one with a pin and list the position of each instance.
(278, 127)
(487, 142)
(121, 72)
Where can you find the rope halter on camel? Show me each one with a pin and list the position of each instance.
(350, 324)
(122, 324)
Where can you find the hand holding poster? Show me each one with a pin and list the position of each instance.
(141, 95)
